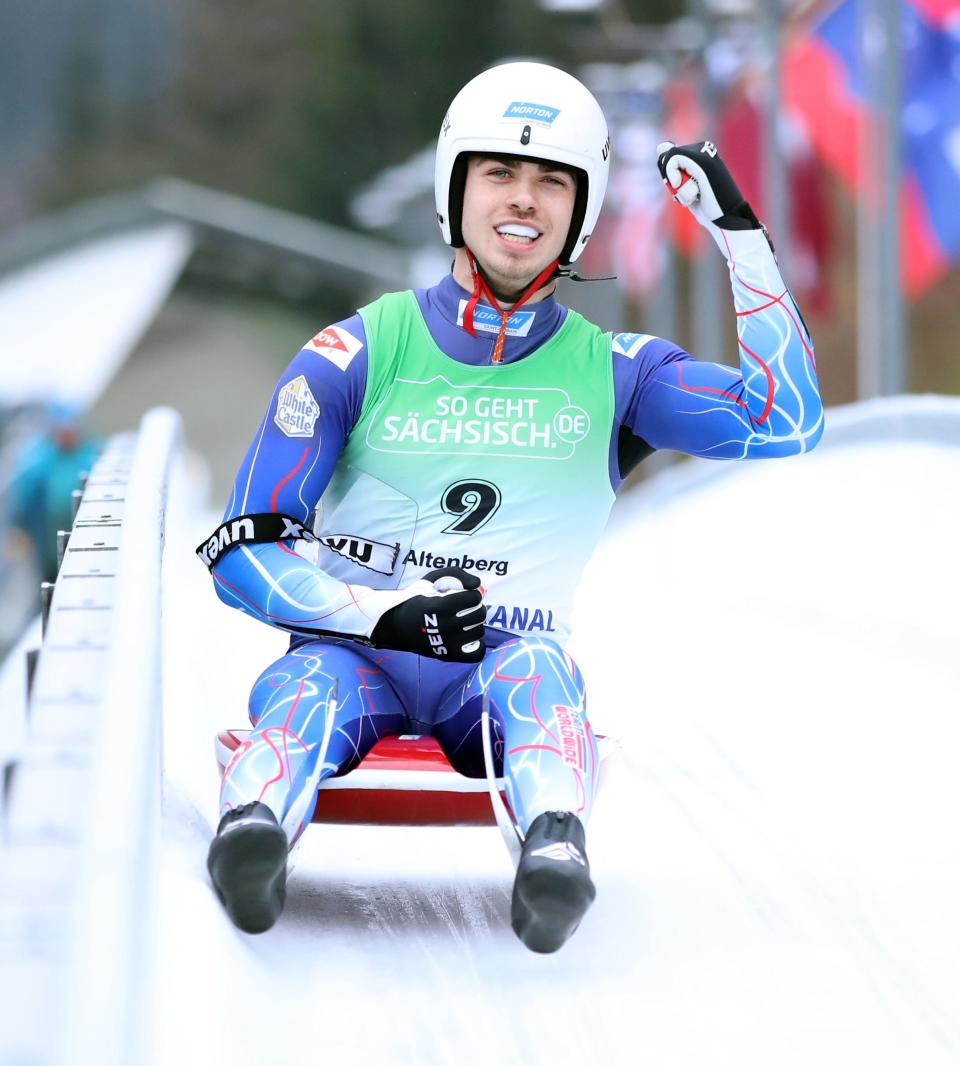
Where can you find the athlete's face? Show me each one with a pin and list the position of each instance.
(516, 216)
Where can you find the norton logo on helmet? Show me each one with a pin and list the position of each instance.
(538, 113)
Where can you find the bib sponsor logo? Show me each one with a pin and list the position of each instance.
(527, 423)
(486, 320)
(429, 561)
(371, 554)
(337, 345)
(571, 424)
(523, 111)
(630, 344)
(524, 619)
(297, 410)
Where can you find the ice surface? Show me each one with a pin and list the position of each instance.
(776, 850)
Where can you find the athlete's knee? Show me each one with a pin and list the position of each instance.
(537, 655)
(300, 673)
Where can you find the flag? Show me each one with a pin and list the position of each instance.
(740, 132)
(637, 205)
(824, 86)
(684, 123)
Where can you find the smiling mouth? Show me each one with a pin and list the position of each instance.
(519, 235)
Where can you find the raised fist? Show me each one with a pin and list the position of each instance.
(699, 179)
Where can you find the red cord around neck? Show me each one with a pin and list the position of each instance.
(481, 288)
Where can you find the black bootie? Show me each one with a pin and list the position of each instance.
(552, 889)
(248, 866)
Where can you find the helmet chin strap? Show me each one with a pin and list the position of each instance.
(481, 288)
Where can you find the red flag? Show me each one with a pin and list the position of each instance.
(740, 133)
(683, 123)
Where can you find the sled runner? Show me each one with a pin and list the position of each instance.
(404, 780)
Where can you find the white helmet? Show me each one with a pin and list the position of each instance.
(527, 111)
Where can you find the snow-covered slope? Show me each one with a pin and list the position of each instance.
(54, 303)
(776, 850)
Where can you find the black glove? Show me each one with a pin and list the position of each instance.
(446, 625)
(698, 178)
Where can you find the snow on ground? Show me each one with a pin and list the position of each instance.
(776, 848)
(134, 270)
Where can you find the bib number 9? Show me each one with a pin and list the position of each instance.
(474, 503)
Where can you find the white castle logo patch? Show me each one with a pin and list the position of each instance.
(297, 410)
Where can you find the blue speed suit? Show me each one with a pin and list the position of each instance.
(322, 706)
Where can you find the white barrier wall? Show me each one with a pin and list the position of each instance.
(927, 419)
(82, 819)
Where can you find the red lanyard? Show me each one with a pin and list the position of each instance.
(481, 288)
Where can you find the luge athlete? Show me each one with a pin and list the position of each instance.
(432, 474)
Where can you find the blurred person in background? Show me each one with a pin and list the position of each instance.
(432, 474)
(46, 470)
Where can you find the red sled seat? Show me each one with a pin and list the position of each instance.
(404, 780)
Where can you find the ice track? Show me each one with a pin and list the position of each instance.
(777, 849)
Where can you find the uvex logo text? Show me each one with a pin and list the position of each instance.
(251, 529)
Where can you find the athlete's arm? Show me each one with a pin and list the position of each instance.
(286, 468)
(768, 406)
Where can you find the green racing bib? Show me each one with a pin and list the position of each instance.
(500, 469)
